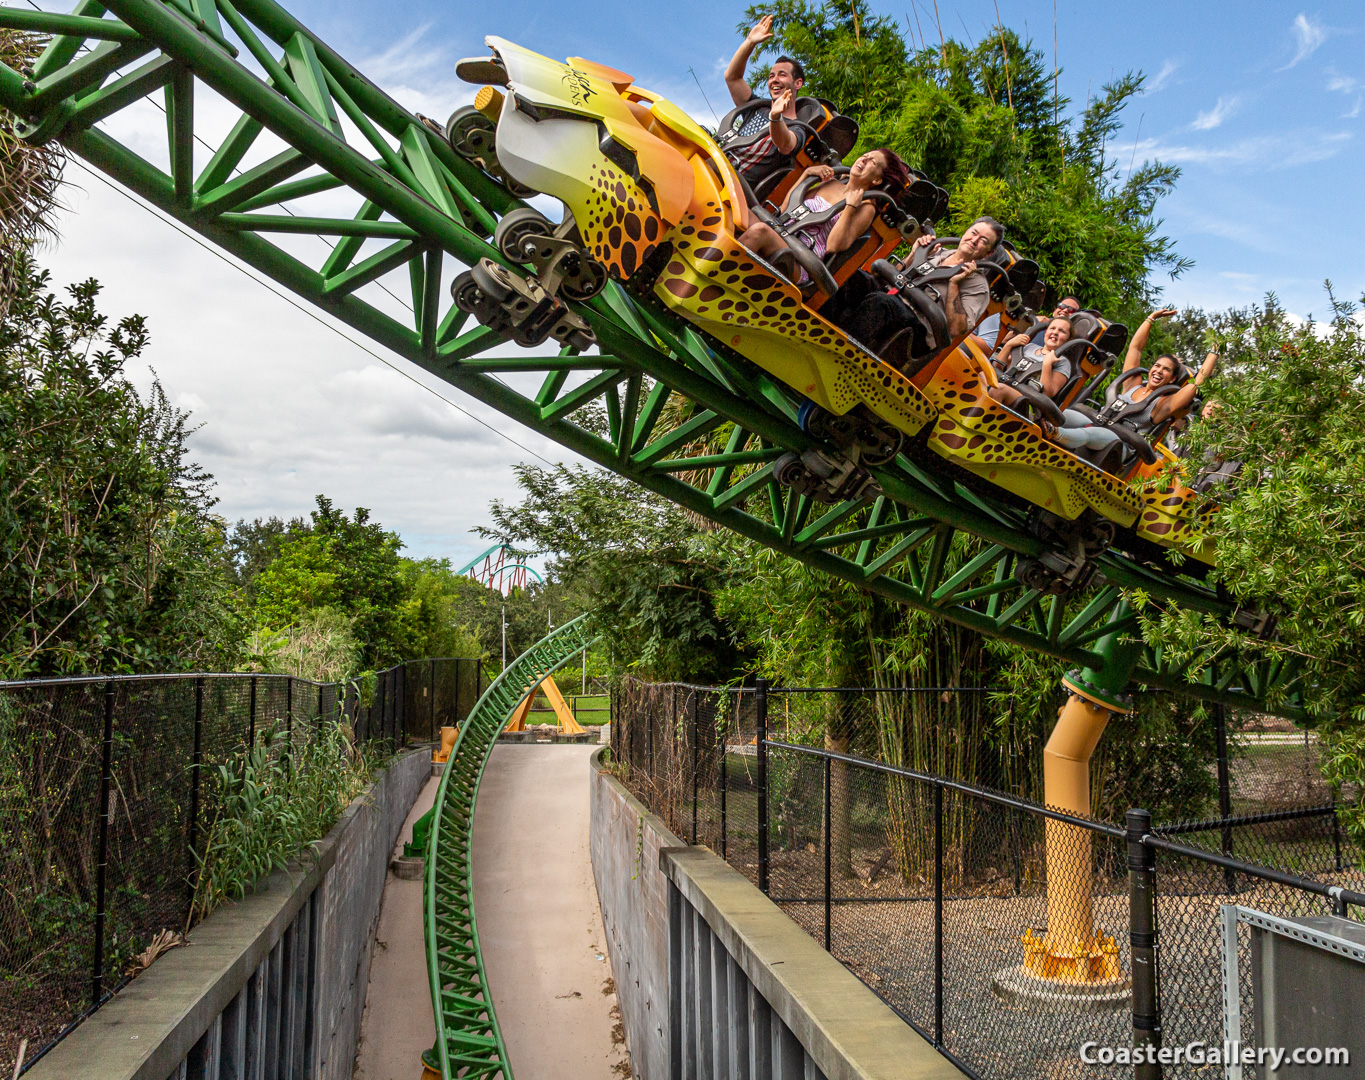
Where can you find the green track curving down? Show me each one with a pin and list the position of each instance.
(468, 1040)
(401, 212)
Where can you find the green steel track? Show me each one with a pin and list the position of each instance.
(318, 152)
(468, 1041)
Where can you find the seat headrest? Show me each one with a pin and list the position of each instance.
(811, 111)
(1084, 325)
(840, 134)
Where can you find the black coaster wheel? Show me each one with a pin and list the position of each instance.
(790, 471)
(526, 236)
(475, 137)
(519, 236)
(880, 442)
(478, 293)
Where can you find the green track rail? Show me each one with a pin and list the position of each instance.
(416, 214)
(468, 1040)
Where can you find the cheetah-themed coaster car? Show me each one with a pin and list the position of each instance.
(654, 203)
(1173, 513)
(990, 442)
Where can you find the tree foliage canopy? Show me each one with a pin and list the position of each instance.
(109, 552)
(984, 120)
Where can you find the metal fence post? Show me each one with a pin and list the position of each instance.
(696, 761)
(431, 691)
(722, 734)
(761, 748)
(320, 705)
(829, 846)
(195, 762)
(1336, 836)
(251, 735)
(106, 782)
(938, 914)
(1143, 941)
(1220, 734)
(289, 717)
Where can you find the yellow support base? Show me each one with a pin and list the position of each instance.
(441, 753)
(1079, 962)
(567, 724)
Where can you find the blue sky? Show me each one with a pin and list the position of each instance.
(1260, 105)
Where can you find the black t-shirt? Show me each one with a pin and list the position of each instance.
(761, 158)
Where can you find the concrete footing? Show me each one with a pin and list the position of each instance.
(1019, 986)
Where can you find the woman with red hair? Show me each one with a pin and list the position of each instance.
(880, 169)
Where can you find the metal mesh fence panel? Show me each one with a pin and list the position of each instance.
(934, 885)
(108, 790)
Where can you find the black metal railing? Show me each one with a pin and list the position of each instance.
(925, 885)
(108, 789)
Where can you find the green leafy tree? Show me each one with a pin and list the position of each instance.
(985, 121)
(30, 176)
(1289, 526)
(349, 564)
(110, 557)
(630, 556)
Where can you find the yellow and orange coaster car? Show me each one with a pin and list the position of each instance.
(1173, 514)
(983, 437)
(637, 173)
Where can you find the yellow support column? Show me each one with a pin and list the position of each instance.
(1073, 960)
(1071, 950)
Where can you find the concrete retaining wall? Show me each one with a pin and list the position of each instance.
(715, 981)
(626, 839)
(350, 897)
(277, 980)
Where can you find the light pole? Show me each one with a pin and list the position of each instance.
(504, 637)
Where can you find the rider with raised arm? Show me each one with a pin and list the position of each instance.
(1081, 432)
(776, 149)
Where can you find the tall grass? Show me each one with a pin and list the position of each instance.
(276, 800)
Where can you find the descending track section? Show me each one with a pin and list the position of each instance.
(468, 1041)
(321, 181)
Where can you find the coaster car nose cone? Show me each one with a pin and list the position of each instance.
(482, 71)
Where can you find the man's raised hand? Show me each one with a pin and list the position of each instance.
(762, 31)
(779, 105)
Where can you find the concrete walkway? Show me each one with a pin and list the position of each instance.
(397, 1025)
(539, 924)
(539, 927)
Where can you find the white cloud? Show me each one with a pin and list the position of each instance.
(1267, 151)
(1344, 84)
(289, 409)
(1308, 37)
(1162, 78)
(1226, 106)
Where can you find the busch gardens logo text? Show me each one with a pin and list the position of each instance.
(580, 89)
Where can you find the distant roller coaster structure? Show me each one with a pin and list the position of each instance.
(495, 569)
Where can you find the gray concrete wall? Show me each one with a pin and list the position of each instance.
(625, 840)
(749, 992)
(173, 1010)
(348, 906)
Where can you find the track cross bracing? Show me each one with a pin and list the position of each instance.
(314, 149)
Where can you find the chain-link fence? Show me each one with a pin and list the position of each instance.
(855, 811)
(108, 787)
